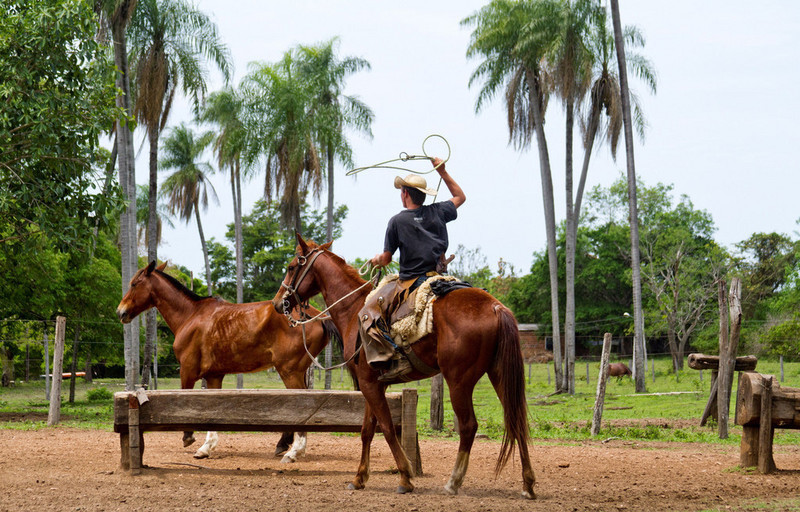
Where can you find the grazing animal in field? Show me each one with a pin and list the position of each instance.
(619, 370)
(214, 338)
(473, 334)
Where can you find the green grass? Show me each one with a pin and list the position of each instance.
(553, 418)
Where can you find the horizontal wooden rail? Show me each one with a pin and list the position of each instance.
(252, 410)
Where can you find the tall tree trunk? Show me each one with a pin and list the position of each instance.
(127, 179)
(329, 238)
(237, 223)
(74, 366)
(550, 223)
(152, 252)
(569, 259)
(638, 314)
(205, 248)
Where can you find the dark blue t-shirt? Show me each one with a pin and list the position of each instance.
(421, 236)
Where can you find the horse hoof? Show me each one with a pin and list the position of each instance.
(188, 441)
(287, 459)
(528, 495)
(404, 490)
(450, 490)
(352, 487)
(200, 455)
(280, 451)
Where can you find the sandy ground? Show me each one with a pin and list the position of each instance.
(69, 469)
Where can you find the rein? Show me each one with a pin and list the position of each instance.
(292, 288)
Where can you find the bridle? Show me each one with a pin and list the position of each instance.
(307, 261)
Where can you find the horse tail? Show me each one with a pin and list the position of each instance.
(510, 368)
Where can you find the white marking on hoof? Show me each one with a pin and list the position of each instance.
(528, 496)
(199, 454)
(452, 491)
(288, 459)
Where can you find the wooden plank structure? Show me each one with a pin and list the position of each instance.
(253, 410)
(710, 362)
(761, 407)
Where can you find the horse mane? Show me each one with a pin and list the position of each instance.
(181, 287)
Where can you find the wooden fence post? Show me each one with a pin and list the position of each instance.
(729, 346)
(54, 414)
(766, 464)
(601, 385)
(437, 402)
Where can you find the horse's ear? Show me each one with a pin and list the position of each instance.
(326, 246)
(302, 243)
(162, 266)
(150, 268)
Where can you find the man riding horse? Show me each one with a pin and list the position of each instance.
(420, 232)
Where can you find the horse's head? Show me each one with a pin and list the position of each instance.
(300, 282)
(140, 294)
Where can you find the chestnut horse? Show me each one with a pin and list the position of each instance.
(619, 370)
(214, 337)
(473, 334)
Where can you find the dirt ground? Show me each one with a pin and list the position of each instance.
(68, 469)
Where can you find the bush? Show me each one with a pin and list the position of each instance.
(99, 394)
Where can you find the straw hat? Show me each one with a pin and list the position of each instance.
(414, 181)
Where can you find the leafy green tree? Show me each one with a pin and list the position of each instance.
(56, 98)
(268, 248)
(681, 262)
(512, 38)
(187, 189)
(765, 261)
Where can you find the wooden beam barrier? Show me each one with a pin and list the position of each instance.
(761, 407)
(711, 362)
(253, 410)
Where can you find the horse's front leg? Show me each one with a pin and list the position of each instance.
(187, 382)
(375, 395)
(297, 449)
(367, 434)
(212, 439)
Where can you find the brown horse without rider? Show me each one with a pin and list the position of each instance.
(214, 338)
(473, 334)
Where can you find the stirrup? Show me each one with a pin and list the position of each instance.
(401, 368)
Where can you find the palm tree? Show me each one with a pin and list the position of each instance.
(115, 15)
(513, 38)
(570, 67)
(187, 189)
(277, 103)
(224, 108)
(638, 315)
(170, 40)
(334, 111)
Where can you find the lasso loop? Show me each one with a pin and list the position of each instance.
(405, 157)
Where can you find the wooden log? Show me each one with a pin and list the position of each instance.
(766, 464)
(711, 406)
(602, 378)
(408, 430)
(54, 413)
(134, 450)
(748, 450)
(711, 362)
(785, 410)
(274, 410)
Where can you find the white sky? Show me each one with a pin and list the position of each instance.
(721, 126)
